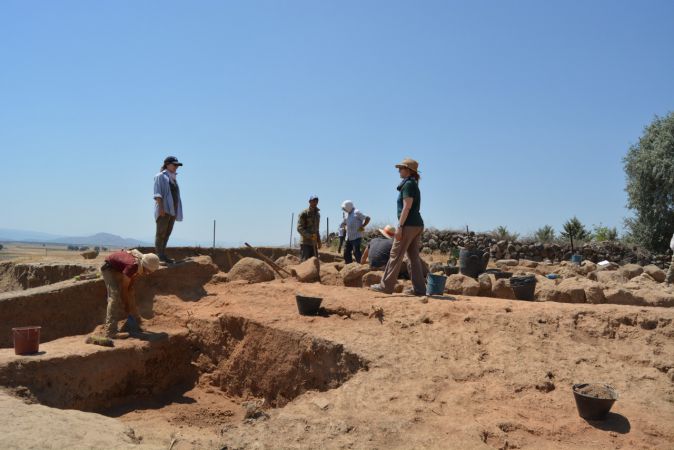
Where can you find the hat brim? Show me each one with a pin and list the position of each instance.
(400, 166)
(385, 234)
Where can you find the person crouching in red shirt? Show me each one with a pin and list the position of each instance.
(120, 271)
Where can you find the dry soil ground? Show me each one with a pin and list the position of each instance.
(468, 373)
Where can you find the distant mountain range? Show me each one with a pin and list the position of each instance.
(100, 239)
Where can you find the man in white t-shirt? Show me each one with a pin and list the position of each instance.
(356, 222)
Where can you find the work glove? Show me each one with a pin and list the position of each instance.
(361, 229)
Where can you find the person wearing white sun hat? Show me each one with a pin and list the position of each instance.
(356, 222)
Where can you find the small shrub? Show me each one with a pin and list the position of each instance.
(545, 234)
(602, 233)
(502, 234)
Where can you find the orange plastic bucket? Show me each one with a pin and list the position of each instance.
(26, 340)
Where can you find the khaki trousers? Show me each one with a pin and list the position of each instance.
(409, 244)
(121, 300)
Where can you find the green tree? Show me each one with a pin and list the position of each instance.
(602, 233)
(574, 229)
(545, 234)
(649, 167)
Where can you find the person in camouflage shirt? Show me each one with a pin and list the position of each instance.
(308, 225)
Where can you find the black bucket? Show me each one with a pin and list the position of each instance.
(473, 262)
(451, 270)
(498, 273)
(523, 287)
(308, 306)
(591, 407)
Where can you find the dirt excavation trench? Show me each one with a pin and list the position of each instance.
(19, 276)
(240, 367)
(227, 364)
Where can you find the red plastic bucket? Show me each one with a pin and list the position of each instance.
(26, 340)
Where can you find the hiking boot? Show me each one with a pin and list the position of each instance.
(132, 325)
(378, 288)
(411, 291)
(164, 260)
(118, 335)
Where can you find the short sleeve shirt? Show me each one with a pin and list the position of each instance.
(410, 189)
(379, 251)
(123, 262)
(354, 220)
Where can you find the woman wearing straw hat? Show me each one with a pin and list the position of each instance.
(407, 238)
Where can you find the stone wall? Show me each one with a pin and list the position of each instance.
(614, 251)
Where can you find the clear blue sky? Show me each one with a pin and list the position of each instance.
(519, 112)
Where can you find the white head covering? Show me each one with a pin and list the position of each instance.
(347, 205)
(150, 262)
(147, 263)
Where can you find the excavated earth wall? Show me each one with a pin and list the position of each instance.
(18, 276)
(77, 307)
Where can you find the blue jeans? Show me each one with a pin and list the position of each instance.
(352, 247)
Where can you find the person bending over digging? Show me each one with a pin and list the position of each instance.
(378, 250)
(120, 271)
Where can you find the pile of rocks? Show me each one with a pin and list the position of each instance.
(444, 241)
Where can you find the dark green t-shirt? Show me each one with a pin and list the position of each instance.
(410, 188)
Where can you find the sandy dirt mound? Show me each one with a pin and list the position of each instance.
(352, 274)
(252, 270)
(288, 260)
(309, 271)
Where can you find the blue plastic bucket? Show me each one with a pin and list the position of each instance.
(576, 259)
(435, 284)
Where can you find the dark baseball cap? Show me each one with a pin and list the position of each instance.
(172, 160)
